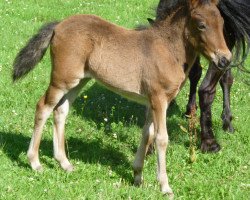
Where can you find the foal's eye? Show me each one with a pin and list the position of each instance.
(201, 26)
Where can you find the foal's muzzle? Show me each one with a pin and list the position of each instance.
(223, 62)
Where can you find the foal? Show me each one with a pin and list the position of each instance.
(237, 35)
(147, 66)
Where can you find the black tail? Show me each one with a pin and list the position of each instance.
(33, 52)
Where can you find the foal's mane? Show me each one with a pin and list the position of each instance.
(167, 7)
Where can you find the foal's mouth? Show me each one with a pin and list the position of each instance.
(221, 61)
(222, 65)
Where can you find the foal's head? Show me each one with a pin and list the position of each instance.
(205, 31)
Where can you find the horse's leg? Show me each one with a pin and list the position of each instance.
(194, 77)
(206, 94)
(60, 115)
(43, 110)
(226, 82)
(159, 107)
(147, 139)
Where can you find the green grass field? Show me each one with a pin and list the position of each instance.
(103, 129)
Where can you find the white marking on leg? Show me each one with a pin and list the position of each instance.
(32, 153)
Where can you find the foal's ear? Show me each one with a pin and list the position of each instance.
(195, 3)
(216, 2)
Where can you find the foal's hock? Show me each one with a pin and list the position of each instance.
(146, 66)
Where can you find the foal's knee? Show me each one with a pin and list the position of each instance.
(162, 140)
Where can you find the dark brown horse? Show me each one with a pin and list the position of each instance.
(237, 35)
(147, 66)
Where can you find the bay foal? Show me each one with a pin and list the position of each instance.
(147, 66)
(236, 15)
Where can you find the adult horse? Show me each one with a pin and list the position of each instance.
(147, 66)
(236, 15)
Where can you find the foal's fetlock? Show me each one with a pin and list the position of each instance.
(34, 162)
(166, 190)
(64, 163)
(67, 166)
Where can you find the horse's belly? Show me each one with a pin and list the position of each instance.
(133, 94)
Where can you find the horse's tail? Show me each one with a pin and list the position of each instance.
(236, 15)
(33, 52)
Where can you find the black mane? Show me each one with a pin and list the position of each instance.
(236, 14)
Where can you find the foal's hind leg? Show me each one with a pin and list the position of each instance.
(226, 82)
(43, 110)
(146, 141)
(60, 114)
(194, 77)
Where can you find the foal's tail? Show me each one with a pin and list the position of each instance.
(33, 52)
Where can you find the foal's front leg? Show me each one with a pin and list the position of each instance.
(159, 107)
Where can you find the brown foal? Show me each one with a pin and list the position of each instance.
(148, 66)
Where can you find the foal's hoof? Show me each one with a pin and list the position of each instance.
(37, 167)
(168, 192)
(210, 145)
(67, 166)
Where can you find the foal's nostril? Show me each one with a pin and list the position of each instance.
(223, 62)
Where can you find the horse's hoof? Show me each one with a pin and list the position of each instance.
(210, 145)
(37, 167)
(168, 191)
(67, 166)
(231, 129)
(228, 127)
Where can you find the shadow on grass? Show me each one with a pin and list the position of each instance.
(102, 103)
(103, 108)
(15, 144)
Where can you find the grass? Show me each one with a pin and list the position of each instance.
(103, 129)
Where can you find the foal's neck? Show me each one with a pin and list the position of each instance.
(173, 31)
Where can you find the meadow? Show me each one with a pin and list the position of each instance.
(103, 130)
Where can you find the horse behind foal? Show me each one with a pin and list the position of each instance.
(146, 66)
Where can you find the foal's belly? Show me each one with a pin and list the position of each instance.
(128, 93)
